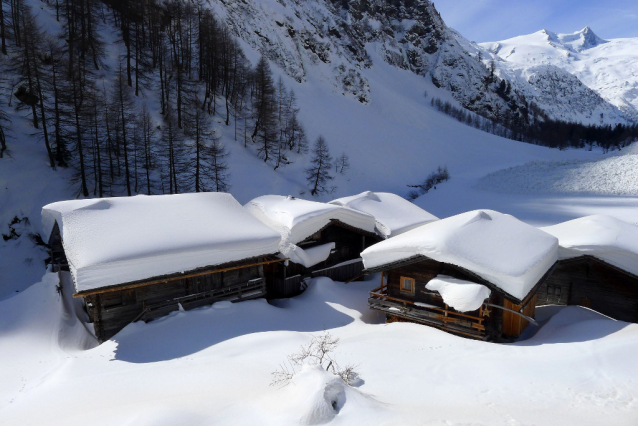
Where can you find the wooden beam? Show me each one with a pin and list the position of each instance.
(165, 280)
(383, 296)
(441, 327)
(529, 319)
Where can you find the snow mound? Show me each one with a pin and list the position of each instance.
(463, 296)
(311, 256)
(394, 215)
(617, 175)
(604, 237)
(113, 241)
(296, 219)
(316, 396)
(499, 248)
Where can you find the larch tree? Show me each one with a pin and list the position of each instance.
(318, 174)
(265, 133)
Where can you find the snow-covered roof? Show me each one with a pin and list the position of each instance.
(499, 248)
(112, 241)
(604, 237)
(461, 295)
(394, 215)
(297, 219)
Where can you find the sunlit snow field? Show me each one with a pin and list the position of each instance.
(213, 365)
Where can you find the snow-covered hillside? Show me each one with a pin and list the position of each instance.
(609, 67)
(615, 175)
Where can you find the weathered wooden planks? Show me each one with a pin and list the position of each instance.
(590, 282)
(113, 310)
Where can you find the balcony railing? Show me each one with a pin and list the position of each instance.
(439, 317)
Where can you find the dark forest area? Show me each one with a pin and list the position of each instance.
(91, 116)
(538, 129)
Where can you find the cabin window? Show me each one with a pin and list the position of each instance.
(407, 285)
(553, 290)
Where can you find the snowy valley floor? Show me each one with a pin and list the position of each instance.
(213, 366)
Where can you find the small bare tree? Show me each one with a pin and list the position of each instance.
(342, 164)
(318, 352)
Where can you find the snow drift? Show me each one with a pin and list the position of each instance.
(614, 175)
(463, 296)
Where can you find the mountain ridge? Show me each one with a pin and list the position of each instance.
(608, 67)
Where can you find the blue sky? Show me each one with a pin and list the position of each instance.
(492, 20)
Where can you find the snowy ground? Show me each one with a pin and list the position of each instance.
(612, 175)
(577, 368)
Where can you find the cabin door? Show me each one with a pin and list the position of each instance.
(585, 302)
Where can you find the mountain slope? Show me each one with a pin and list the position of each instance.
(610, 67)
(340, 38)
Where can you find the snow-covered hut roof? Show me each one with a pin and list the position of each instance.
(111, 241)
(296, 219)
(603, 237)
(499, 248)
(394, 215)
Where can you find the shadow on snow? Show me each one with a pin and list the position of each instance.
(324, 305)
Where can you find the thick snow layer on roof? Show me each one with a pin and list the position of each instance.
(394, 215)
(508, 253)
(296, 219)
(464, 296)
(310, 256)
(604, 237)
(112, 241)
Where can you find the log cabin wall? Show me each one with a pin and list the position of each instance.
(589, 282)
(422, 272)
(111, 311)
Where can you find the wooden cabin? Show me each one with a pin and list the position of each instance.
(597, 267)
(140, 258)
(403, 296)
(318, 239)
(476, 274)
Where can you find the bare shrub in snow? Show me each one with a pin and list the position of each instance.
(430, 182)
(318, 352)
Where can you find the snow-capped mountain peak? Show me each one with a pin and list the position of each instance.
(608, 67)
(580, 40)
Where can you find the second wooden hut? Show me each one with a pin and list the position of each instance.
(475, 274)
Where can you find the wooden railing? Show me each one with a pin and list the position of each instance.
(236, 293)
(439, 317)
